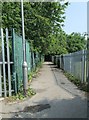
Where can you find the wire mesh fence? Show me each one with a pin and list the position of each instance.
(31, 58)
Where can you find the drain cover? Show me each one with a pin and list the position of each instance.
(36, 108)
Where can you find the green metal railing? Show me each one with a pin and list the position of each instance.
(11, 60)
(32, 59)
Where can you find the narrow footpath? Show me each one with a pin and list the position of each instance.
(56, 97)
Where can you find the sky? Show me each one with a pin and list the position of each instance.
(76, 18)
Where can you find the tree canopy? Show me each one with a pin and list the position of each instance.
(43, 26)
(75, 42)
(42, 20)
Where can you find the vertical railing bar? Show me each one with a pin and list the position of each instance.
(0, 82)
(3, 56)
(8, 62)
(70, 61)
(0, 77)
(14, 65)
(84, 65)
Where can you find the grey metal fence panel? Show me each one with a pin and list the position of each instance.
(56, 61)
(62, 62)
(67, 62)
(75, 63)
(53, 59)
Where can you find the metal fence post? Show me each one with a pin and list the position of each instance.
(8, 62)
(70, 63)
(83, 66)
(60, 61)
(14, 64)
(3, 56)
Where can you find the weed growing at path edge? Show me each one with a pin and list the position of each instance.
(20, 96)
(77, 82)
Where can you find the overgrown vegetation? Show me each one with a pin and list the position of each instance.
(30, 92)
(20, 96)
(77, 82)
(35, 71)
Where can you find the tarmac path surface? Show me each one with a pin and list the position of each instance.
(56, 97)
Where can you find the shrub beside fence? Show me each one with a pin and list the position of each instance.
(73, 63)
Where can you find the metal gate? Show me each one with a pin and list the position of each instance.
(6, 63)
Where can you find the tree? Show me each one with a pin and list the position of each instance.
(11, 15)
(75, 42)
(58, 44)
(42, 20)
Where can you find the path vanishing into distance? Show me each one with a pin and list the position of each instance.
(56, 97)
